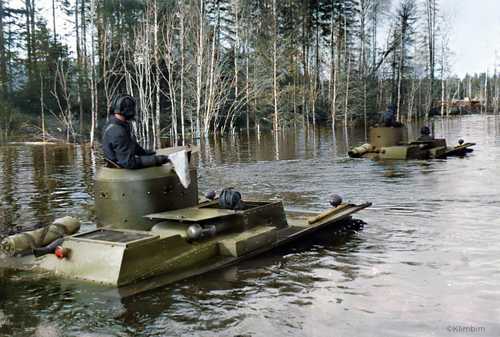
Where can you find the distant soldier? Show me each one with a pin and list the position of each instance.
(425, 135)
(119, 145)
(389, 117)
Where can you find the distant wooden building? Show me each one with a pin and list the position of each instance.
(458, 106)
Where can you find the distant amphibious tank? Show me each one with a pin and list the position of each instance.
(152, 230)
(386, 143)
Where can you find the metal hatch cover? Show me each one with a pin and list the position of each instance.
(192, 214)
(211, 210)
(108, 236)
(114, 235)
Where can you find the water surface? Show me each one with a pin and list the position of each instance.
(427, 261)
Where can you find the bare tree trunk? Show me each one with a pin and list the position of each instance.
(431, 32)
(348, 72)
(79, 68)
(169, 61)
(411, 99)
(42, 108)
(93, 77)
(33, 38)
(496, 89)
(400, 70)
(365, 6)
(442, 93)
(83, 24)
(469, 87)
(181, 38)
(375, 12)
(156, 129)
(29, 32)
(247, 56)
(443, 71)
(78, 59)
(4, 58)
(236, 46)
(63, 100)
(54, 21)
(211, 90)
(275, 75)
(448, 98)
(315, 92)
(305, 63)
(333, 67)
(486, 93)
(348, 82)
(294, 94)
(334, 91)
(199, 65)
(497, 95)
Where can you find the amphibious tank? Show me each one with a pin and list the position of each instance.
(152, 229)
(387, 143)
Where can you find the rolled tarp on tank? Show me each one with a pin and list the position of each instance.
(27, 241)
(361, 150)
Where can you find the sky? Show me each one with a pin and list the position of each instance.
(474, 36)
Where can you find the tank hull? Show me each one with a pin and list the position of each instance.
(387, 143)
(411, 152)
(137, 261)
(151, 231)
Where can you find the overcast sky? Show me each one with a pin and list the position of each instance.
(474, 37)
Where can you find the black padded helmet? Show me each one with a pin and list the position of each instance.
(124, 105)
(425, 130)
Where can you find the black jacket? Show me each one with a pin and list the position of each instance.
(120, 146)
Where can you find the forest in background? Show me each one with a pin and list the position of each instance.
(200, 67)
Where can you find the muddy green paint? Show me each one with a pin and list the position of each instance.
(389, 143)
(127, 247)
(123, 197)
(122, 257)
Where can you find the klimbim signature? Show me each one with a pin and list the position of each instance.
(466, 329)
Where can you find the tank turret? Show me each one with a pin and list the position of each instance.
(123, 197)
(386, 136)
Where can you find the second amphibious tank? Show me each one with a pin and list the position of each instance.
(388, 143)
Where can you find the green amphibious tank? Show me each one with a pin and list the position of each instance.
(151, 230)
(387, 143)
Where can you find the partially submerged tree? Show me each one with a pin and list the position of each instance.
(208, 66)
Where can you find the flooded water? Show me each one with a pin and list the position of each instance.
(426, 264)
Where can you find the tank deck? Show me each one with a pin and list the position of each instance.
(126, 256)
(299, 227)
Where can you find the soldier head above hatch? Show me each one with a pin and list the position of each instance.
(389, 117)
(119, 145)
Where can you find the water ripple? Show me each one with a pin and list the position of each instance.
(427, 258)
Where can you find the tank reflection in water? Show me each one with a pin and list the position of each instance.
(426, 261)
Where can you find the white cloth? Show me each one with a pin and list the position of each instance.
(180, 163)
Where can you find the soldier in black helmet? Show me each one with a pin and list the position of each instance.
(425, 135)
(389, 117)
(119, 145)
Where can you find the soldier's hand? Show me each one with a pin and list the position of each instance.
(161, 159)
